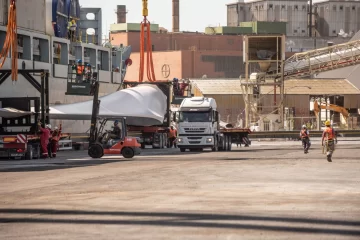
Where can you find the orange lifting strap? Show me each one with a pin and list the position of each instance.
(11, 42)
(145, 26)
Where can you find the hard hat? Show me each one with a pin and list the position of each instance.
(304, 126)
(73, 21)
(48, 126)
(56, 128)
(327, 123)
(79, 61)
(116, 121)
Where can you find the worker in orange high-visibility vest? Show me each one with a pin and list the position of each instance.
(80, 71)
(172, 136)
(305, 138)
(330, 138)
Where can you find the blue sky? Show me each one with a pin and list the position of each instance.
(195, 15)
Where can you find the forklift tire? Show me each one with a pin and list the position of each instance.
(127, 152)
(29, 155)
(96, 151)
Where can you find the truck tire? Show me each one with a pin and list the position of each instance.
(229, 143)
(127, 152)
(223, 145)
(182, 149)
(216, 146)
(29, 155)
(37, 152)
(96, 151)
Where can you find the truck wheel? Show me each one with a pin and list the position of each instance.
(182, 149)
(37, 152)
(29, 155)
(127, 152)
(216, 146)
(96, 151)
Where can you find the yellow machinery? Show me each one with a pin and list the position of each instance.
(331, 107)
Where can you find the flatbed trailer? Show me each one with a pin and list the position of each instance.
(156, 136)
(19, 130)
(235, 135)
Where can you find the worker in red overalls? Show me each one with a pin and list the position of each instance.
(55, 137)
(44, 140)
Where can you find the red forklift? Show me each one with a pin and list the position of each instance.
(101, 141)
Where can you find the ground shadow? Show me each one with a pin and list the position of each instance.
(182, 220)
(66, 164)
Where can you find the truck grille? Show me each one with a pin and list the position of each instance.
(194, 138)
(194, 142)
(194, 130)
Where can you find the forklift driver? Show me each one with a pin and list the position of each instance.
(116, 132)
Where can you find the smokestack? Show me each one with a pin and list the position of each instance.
(121, 13)
(175, 13)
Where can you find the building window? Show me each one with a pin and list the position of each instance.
(341, 8)
(304, 7)
(282, 6)
(295, 31)
(270, 6)
(303, 31)
(241, 8)
(266, 125)
(334, 31)
(296, 7)
(353, 7)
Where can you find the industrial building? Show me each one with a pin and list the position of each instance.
(298, 102)
(330, 18)
(334, 16)
(295, 13)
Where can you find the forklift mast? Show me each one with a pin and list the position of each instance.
(95, 114)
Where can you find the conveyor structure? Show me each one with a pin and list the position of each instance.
(305, 64)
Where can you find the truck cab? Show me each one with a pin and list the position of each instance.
(198, 124)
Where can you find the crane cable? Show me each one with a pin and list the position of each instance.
(11, 42)
(145, 26)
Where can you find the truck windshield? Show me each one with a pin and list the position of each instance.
(195, 117)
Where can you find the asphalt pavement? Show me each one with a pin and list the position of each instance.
(270, 190)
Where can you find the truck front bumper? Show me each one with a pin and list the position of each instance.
(195, 142)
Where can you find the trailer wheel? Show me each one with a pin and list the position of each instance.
(96, 151)
(229, 143)
(37, 152)
(182, 149)
(128, 152)
(29, 155)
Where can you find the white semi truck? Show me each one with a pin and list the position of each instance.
(198, 126)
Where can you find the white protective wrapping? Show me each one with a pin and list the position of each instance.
(143, 105)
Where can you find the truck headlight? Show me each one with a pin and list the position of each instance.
(180, 140)
(209, 140)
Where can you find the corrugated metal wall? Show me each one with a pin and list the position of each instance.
(229, 106)
(232, 15)
(30, 14)
(333, 16)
